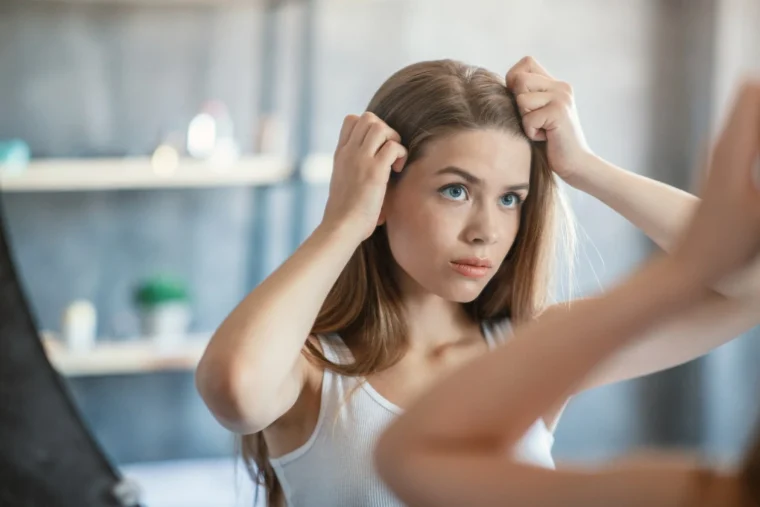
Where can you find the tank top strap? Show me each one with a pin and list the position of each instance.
(335, 349)
(337, 389)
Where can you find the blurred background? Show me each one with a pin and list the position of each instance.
(161, 157)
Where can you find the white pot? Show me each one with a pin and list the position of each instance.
(166, 323)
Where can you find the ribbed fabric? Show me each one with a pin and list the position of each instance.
(334, 468)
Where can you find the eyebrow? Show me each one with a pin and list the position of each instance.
(471, 178)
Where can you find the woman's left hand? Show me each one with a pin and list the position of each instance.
(549, 114)
(724, 234)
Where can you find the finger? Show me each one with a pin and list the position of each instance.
(392, 154)
(524, 82)
(739, 141)
(529, 102)
(744, 107)
(399, 164)
(362, 127)
(745, 116)
(376, 137)
(537, 123)
(349, 122)
(528, 64)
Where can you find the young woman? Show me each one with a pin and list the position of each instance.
(452, 447)
(437, 233)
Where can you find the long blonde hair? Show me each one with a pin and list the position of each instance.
(421, 102)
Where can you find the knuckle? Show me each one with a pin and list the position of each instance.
(369, 116)
(564, 98)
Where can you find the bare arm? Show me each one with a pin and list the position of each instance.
(449, 448)
(712, 322)
(252, 371)
(462, 477)
(659, 210)
(663, 212)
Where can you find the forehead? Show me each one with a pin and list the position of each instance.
(496, 156)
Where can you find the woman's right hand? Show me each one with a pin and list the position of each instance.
(724, 235)
(367, 151)
(254, 371)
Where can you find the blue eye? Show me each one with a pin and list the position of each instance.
(511, 200)
(454, 192)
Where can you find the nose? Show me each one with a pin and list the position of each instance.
(482, 228)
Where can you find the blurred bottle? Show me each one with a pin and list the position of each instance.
(14, 156)
(211, 135)
(79, 326)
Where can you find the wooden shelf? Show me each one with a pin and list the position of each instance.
(125, 357)
(59, 175)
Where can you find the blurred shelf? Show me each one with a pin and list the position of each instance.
(125, 357)
(317, 168)
(60, 175)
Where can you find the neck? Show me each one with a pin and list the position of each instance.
(433, 322)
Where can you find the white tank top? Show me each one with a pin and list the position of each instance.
(334, 468)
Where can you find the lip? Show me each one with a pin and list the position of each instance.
(472, 267)
(479, 262)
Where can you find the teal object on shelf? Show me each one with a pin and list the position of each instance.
(14, 155)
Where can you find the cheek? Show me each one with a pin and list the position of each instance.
(510, 228)
(418, 235)
(427, 234)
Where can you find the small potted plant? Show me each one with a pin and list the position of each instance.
(164, 310)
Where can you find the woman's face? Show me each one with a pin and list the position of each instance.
(453, 216)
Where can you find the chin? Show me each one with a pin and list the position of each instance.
(461, 292)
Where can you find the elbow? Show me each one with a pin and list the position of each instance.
(227, 392)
